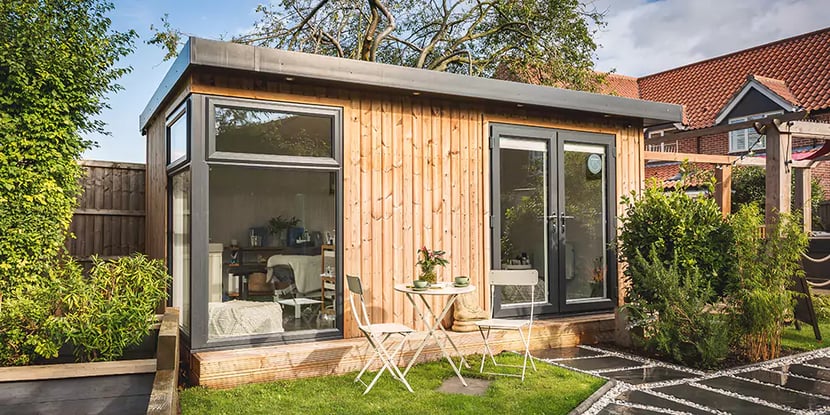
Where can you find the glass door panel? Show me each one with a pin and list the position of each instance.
(583, 222)
(523, 189)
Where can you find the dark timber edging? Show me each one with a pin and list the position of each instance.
(164, 399)
(123, 387)
(599, 393)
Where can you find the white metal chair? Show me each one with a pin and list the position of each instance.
(377, 335)
(502, 278)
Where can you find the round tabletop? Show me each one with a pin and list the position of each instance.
(437, 289)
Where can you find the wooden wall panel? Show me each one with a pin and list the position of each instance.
(156, 190)
(416, 173)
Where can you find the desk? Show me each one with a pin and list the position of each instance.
(435, 326)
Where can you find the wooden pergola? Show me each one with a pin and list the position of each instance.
(778, 162)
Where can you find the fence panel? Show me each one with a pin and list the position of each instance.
(110, 217)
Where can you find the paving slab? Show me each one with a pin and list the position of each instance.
(820, 361)
(768, 393)
(807, 371)
(648, 375)
(600, 363)
(648, 399)
(791, 382)
(719, 401)
(564, 353)
(475, 387)
(617, 409)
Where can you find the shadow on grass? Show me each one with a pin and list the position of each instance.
(551, 390)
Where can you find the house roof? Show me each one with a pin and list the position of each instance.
(226, 55)
(622, 85)
(797, 69)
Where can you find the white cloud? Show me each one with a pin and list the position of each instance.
(644, 37)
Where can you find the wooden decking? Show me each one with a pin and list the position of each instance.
(229, 368)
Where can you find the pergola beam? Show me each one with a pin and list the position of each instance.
(810, 129)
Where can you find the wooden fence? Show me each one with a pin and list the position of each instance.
(110, 217)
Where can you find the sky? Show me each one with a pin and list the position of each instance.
(641, 37)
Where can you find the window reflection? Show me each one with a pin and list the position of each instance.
(268, 230)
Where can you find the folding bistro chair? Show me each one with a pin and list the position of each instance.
(377, 335)
(501, 278)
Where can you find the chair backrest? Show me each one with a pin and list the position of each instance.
(514, 277)
(273, 262)
(356, 289)
(523, 277)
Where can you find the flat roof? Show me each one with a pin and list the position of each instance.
(227, 55)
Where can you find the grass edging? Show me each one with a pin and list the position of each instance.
(599, 393)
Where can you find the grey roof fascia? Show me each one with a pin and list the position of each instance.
(210, 53)
(177, 69)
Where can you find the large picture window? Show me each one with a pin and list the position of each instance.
(272, 221)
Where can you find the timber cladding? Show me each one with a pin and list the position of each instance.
(109, 220)
(415, 173)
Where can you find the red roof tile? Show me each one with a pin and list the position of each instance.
(779, 87)
(622, 85)
(801, 63)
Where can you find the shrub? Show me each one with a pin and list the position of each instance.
(56, 66)
(680, 322)
(114, 307)
(679, 229)
(760, 299)
(749, 186)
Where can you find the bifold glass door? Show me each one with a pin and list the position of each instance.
(552, 212)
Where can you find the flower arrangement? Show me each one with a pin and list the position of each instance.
(428, 260)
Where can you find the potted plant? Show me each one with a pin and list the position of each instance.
(278, 228)
(428, 260)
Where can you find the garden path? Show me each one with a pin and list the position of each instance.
(798, 384)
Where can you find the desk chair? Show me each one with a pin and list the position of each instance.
(501, 278)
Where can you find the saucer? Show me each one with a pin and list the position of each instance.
(461, 285)
(420, 288)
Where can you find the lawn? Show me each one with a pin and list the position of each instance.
(551, 390)
(805, 339)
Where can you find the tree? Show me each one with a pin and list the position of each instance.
(549, 42)
(57, 63)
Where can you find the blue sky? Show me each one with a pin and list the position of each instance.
(211, 19)
(641, 37)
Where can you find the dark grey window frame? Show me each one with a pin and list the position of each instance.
(203, 141)
(294, 108)
(556, 304)
(182, 111)
(173, 168)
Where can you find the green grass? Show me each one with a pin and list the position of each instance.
(805, 339)
(551, 390)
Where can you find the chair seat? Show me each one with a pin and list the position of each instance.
(385, 328)
(500, 323)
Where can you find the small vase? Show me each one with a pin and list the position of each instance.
(429, 276)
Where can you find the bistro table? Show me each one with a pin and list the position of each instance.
(433, 321)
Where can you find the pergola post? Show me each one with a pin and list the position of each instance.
(779, 153)
(723, 188)
(803, 196)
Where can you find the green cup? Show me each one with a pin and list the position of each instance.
(420, 284)
(462, 280)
